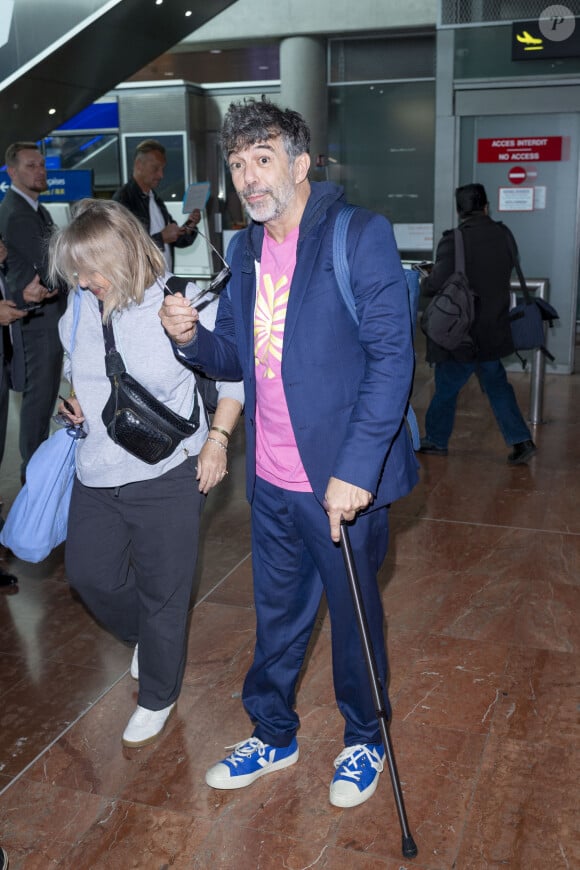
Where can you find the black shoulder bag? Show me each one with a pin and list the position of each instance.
(134, 418)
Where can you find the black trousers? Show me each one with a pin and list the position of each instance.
(131, 554)
(4, 403)
(43, 366)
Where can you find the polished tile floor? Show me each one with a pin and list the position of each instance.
(481, 595)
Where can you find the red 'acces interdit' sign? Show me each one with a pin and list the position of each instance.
(507, 150)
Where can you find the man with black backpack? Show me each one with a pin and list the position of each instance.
(488, 246)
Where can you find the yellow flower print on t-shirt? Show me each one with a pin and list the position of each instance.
(269, 319)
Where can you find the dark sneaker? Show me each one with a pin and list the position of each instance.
(357, 774)
(431, 449)
(522, 451)
(7, 580)
(250, 760)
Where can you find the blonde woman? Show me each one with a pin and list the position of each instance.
(133, 528)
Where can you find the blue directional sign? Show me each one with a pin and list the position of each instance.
(64, 185)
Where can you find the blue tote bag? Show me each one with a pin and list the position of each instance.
(37, 520)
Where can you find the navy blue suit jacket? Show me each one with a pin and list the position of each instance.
(347, 387)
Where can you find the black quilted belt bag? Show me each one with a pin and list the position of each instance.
(135, 419)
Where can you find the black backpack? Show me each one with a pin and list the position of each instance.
(448, 318)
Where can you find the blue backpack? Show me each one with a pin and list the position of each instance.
(342, 272)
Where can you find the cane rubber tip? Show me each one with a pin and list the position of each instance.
(409, 848)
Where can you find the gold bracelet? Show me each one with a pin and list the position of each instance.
(219, 443)
(221, 431)
(72, 394)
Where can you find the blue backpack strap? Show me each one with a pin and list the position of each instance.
(339, 259)
(342, 272)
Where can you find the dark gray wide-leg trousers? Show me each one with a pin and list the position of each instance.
(131, 554)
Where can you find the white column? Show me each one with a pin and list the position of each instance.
(304, 88)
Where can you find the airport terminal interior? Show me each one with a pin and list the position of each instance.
(480, 587)
(480, 590)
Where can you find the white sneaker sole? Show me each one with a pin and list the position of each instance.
(219, 776)
(351, 797)
(135, 744)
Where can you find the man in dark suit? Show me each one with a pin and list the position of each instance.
(489, 259)
(11, 367)
(140, 197)
(26, 226)
(325, 435)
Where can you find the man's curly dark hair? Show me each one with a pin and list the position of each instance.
(254, 121)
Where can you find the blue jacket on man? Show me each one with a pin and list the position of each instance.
(347, 387)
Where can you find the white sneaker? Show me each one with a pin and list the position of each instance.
(145, 726)
(135, 663)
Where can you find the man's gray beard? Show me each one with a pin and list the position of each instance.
(262, 216)
(278, 207)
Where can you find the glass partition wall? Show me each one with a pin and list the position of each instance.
(382, 131)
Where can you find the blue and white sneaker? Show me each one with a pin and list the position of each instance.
(250, 760)
(357, 774)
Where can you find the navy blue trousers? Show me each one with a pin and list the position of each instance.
(294, 561)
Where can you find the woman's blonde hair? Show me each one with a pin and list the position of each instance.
(105, 237)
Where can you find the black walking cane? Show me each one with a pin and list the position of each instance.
(409, 847)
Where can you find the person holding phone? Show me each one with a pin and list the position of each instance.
(26, 227)
(140, 197)
(133, 526)
(11, 362)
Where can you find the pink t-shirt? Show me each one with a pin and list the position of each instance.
(277, 457)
